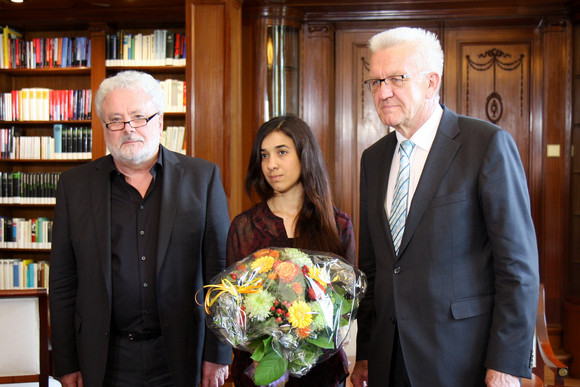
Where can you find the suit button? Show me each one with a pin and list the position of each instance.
(397, 270)
(393, 320)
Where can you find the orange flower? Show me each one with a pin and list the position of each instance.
(297, 288)
(303, 332)
(268, 252)
(287, 271)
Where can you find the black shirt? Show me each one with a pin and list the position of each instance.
(134, 240)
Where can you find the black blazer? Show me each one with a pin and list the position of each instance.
(194, 223)
(463, 291)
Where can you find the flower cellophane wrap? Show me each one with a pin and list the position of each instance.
(291, 308)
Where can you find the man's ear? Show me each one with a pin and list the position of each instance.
(434, 79)
(160, 123)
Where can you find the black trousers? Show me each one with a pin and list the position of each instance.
(137, 363)
(398, 376)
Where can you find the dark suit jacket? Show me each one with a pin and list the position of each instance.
(463, 291)
(194, 223)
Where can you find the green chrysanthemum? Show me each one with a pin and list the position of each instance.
(258, 305)
(298, 257)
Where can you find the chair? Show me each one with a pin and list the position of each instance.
(24, 343)
(544, 355)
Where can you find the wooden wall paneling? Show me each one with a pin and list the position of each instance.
(556, 40)
(574, 256)
(253, 88)
(571, 318)
(234, 115)
(98, 33)
(318, 88)
(213, 29)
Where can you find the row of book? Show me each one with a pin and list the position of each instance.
(67, 143)
(58, 52)
(173, 138)
(16, 273)
(42, 104)
(21, 233)
(161, 48)
(18, 187)
(174, 92)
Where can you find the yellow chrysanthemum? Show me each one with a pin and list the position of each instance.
(319, 275)
(300, 315)
(263, 264)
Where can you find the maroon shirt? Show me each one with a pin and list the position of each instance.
(259, 228)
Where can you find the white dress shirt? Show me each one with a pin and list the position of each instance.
(423, 139)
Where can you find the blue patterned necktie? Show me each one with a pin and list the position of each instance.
(401, 193)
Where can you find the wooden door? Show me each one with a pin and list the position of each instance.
(357, 123)
(488, 75)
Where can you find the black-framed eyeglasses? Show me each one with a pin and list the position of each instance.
(134, 123)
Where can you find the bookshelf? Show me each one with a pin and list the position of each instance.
(39, 93)
(84, 76)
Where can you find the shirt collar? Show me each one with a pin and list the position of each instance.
(423, 138)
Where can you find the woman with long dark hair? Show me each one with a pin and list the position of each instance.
(288, 174)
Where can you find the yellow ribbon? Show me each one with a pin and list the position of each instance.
(226, 286)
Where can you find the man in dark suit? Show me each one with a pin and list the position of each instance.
(136, 234)
(446, 236)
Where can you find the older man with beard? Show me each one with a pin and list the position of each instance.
(136, 234)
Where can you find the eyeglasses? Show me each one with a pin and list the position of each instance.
(135, 123)
(394, 82)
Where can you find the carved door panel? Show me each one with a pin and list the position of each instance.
(489, 76)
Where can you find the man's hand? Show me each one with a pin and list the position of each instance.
(214, 375)
(495, 378)
(71, 380)
(360, 374)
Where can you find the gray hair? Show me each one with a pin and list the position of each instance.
(133, 80)
(428, 51)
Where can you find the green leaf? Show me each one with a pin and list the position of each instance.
(345, 305)
(270, 368)
(261, 349)
(322, 342)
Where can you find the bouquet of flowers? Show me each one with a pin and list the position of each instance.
(291, 308)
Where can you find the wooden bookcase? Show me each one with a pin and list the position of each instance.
(88, 77)
(71, 78)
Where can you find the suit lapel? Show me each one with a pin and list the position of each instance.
(172, 178)
(101, 207)
(440, 158)
(383, 182)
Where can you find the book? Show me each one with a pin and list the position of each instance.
(169, 48)
(57, 134)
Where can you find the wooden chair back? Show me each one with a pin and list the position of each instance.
(545, 356)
